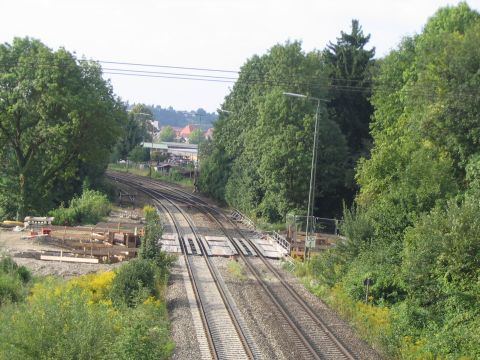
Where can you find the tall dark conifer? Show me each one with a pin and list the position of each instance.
(350, 72)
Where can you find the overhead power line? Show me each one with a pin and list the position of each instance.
(166, 66)
(168, 77)
(194, 73)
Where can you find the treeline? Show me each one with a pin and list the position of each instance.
(414, 229)
(171, 117)
(260, 158)
(414, 176)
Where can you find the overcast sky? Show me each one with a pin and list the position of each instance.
(212, 34)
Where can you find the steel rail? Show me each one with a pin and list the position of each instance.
(213, 213)
(247, 343)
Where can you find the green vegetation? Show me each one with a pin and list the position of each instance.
(120, 315)
(196, 137)
(260, 158)
(414, 228)
(167, 134)
(137, 128)
(59, 120)
(14, 281)
(236, 270)
(89, 208)
(150, 248)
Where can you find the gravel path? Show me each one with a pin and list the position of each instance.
(183, 331)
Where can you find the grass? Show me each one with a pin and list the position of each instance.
(236, 270)
(373, 323)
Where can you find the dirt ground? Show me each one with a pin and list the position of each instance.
(23, 252)
(27, 251)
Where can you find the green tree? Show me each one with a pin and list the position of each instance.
(133, 134)
(59, 120)
(151, 247)
(196, 136)
(264, 141)
(414, 227)
(139, 154)
(350, 66)
(167, 134)
(214, 170)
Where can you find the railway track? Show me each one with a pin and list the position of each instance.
(311, 335)
(226, 335)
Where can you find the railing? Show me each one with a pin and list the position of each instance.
(279, 239)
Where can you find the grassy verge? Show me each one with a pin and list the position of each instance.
(373, 323)
(110, 315)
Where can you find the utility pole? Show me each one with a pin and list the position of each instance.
(313, 174)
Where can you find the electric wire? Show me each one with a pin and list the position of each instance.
(367, 86)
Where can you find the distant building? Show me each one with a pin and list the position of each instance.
(186, 131)
(209, 134)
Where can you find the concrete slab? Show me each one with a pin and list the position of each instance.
(267, 247)
(220, 246)
(187, 246)
(170, 243)
(68, 259)
(206, 245)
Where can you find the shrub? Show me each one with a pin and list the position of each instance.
(145, 333)
(90, 208)
(134, 282)
(11, 288)
(13, 280)
(24, 274)
(7, 265)
(76, 320)
(55, 324)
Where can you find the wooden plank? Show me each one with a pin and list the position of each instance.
(68, 259)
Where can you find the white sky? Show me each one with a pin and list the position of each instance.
(215, 34)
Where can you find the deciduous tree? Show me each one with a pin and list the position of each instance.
(58, 123)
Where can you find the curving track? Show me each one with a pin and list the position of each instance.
(308, 331)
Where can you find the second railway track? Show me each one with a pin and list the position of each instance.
(306, 329)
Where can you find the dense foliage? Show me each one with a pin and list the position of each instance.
(59, 121)
(14, 281)
(91, 207)
(167, 134)
(414, 229)
(151, 248)
(260, 158)
(87, 318)
(351, 67)
(138, 128)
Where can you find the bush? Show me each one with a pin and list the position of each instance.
(145, 333)
(11, 288)
(90, 208)
(13, 280)
(76, 320)
(134, 282)
(7, 265)
(55, 324)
